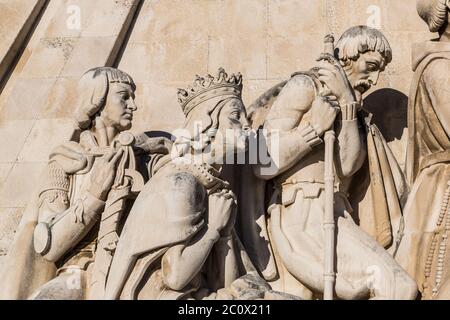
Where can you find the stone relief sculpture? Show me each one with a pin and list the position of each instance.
(424, 248)
(119, 216)
(179, 240)
(70, 231)
(369, 183)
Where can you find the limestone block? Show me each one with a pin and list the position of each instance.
(176, 18)
(34, 41)
(44, 137)
(134, 52)
(10, 218)
(251, 60)
(401, 48)
(288, 55)
(16, 20)
(5, 168)
(408, 20)
(26, 99)
(12, 137)
(62, 21)
(88, 53)
(158, 108)
(62, 101)
(165, 63)
(20, 184)
(143, 22)
(238, 37)
(99, 19)
(296, 18)
(227, 19)
(49, 57)
(108, 17)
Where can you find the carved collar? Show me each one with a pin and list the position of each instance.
(208, 176)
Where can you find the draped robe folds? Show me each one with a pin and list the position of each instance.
(423, 251)
(377, 194)
(154, 226)
(24, 270)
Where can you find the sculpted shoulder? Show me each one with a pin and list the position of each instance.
(300, 88)
(173, 186)
(436, 73)
(294, 99)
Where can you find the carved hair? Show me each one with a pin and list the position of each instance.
(93, 90)
(434, 13)
(361, 39)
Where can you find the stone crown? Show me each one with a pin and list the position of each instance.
(205, 88)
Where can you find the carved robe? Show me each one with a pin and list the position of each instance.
(155, 225)
(424, 248)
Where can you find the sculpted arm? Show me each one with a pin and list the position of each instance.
(288, 137)
(350, 142)
(183, 262)
(62, 225)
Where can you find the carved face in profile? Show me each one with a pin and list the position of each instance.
(119, 106)
(232, 131)
(364, 72)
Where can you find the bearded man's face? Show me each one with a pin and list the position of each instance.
(364, 72)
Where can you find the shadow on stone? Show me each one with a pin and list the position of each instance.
(390, 112)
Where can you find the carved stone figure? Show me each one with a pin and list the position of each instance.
(424, 249)
(179, 240)
(369, 184)
(68, 234)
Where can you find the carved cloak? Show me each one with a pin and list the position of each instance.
(142, 244)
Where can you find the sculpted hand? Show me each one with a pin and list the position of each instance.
(222, 212)
(333, 76)
(323, 114)
(104, 173)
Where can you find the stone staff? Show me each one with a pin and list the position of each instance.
(329, 276)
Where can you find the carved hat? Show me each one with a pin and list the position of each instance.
(93, 90)
(209, 87)
(433, 12)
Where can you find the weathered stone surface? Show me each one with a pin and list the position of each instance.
(10, 221)
(5, 168)
(20, 184)
(16, 21)
(45, 135)
(163, 47)
(12, 136)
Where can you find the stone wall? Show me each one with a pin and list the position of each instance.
(46, 45)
